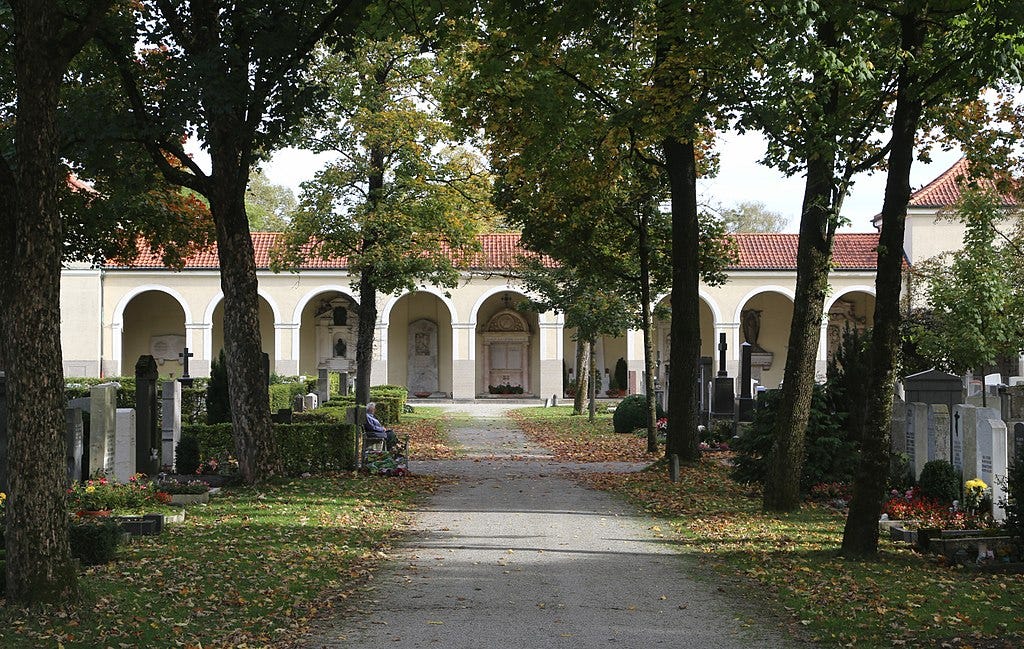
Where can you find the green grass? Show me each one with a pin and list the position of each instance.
(251, 568)
(902, 599)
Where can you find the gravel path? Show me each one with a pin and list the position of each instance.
(516, 554)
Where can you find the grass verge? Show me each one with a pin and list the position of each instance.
(573, 438)
(428, 430)
(250, 569)
(901, 600)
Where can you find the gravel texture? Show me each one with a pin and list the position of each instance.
(516, 554)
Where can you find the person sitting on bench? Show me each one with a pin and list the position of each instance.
(376, 429)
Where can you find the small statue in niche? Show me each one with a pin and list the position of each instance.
(340, 348)
(751, 322)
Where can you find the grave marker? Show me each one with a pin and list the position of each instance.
(938, 432)
(147, 442)
(310, 402)
(74, 442)
(125, 435)
(991, 460)
(102, 413)
(1018, 442)
(917, 436)
(170, 422)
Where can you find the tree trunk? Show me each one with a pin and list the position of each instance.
(38, 564)
(582, 375)
(860, 536)
(814, 254)
(684, 351)
(258, 458)
(592, 392)
(646, 320)
(367, 287)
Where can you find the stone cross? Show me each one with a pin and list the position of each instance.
(722, 346)
(185, 379)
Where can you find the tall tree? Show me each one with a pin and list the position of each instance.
(41, 38)
(268, 206)
(606, 100)
(752, 216)
(946, 53)
(400, 203)
(238, 72)
(816, 91)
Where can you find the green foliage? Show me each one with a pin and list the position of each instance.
(303, 446)
(267, 205)
(939, 480)
(752, 216)
(620, 379)
(282, 395)
(323, 414)
(94, 541)
(218, 401)
(976, 296)
(186, 454)
(830, 455)
(193, 404)
(901, 473)
(1015, 495)
(631, 414)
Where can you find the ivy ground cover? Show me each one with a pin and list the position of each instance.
(250, 569)
(901, 600)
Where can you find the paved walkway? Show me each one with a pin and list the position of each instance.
(516, 554)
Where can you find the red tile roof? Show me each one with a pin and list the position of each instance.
(944, 191)
(499, 251)
(778, 251)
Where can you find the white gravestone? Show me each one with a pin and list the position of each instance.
(124, 444)
(170, 421)
(991, 459)
(310, 402)
(917, 436)
(423, 373)
(898, 432)
(938, 432)
(102, 410)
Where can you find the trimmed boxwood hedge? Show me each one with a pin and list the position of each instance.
(283, 394)
(303, 447)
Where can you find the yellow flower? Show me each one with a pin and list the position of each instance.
(976, 485)
(90, 489)
(3, 497)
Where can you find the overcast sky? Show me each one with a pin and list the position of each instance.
(740, 179)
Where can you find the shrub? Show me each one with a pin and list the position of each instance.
(218, 403)
(93, 541)
(620, 379)
(191, 487)
(193, 405)
(631, 413)
(939, 480)
(830, 456)
(303, 446)
(328, 414)
(283, 394)
(186, 455)
(1014, 502)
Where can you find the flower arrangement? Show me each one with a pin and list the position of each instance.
(225, 465)
(975, 492)
(662, 425)
(103, 494)
(506, 388)
(929, 513)
(3, 501)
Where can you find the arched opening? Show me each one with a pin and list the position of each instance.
(266, 316)
(420, 345)
(507, 347)
(854, 310)
(328, 328)
(663, 337)
(154, 324)
(765, 321)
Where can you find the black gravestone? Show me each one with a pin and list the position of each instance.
(147, 435)
(1018, 442)
(745, 411)
(723, 403)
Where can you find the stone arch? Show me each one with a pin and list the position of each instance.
(151, 322)
(118, 352)
(853, 306)
(507, 343)
(765, 316)
(269, 316)
(420, 342)
(385, 313)
(319, 290)
(324, 341)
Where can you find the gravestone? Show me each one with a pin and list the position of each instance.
(917, 436)
(745, 406)
(186, 378)
(970, 421)
(323, 385)
(310, 402)
(74, 440)
(147, 442)
(723, 403)
(938, 432)
(170, 423)
(1018, 442)
(991, 460)
(898, 430)
(423, 356)
(102, 413)
(125, 436)
(298, 402)
(3, 434)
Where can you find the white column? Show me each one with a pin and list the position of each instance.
(551, 355)
(821, 366)
(286, 364)
(116, 348)
(525, 364)
(199, 336)
(463, 360)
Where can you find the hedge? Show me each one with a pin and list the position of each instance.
(282, 395)
(303, 447)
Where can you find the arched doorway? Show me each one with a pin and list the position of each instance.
(328, 329)
(765, 320)
(420, 344)
(663, 337)
(508, 351)
(154, 324)
(854, 310)
(267, 337)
